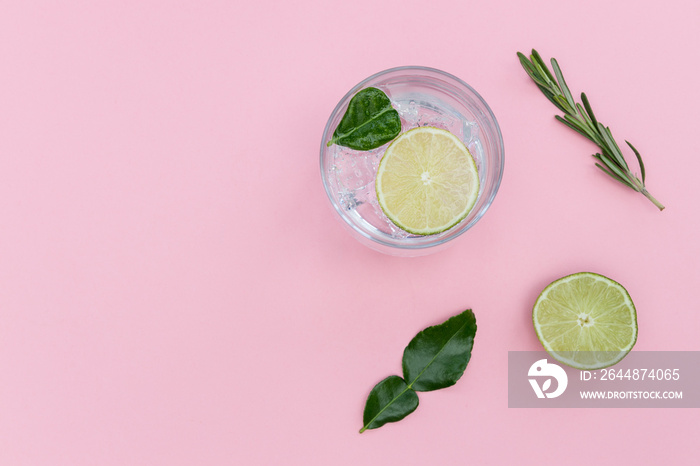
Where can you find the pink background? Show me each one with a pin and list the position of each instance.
(174, 288)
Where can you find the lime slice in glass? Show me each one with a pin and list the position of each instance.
(427, 181)
(586, 321)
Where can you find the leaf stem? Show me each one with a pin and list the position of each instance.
(652, 199)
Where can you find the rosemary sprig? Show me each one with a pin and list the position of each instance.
(581, 119)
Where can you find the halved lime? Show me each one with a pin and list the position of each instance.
(586, 321)
(427, 181)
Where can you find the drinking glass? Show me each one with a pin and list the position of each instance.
(423, 97)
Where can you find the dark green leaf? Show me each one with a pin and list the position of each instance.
(537, 59)
(552, 98)
(611, 164)
(639, 159)
(582, 115)
(575, 125)
(582, 127)
(587, 105)
(532, 72)
(612, 145)
(562, 84)
(389, 401)
(613, 176)
(437, 357)
(543, 78)
(369, 122)
(563, 103)
(618, 151)
(562, 120)
(538, 80)
(526, 64)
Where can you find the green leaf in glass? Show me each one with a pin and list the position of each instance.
(369, 122)
(389, 401)
(437, 357)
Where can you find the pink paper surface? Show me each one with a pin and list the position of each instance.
(175, 290)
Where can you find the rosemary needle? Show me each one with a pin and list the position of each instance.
(581, 119)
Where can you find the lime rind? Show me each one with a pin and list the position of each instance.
(594, 349)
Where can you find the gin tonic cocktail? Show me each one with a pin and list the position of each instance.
(422, 97)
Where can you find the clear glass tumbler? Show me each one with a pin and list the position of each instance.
(423, 97)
